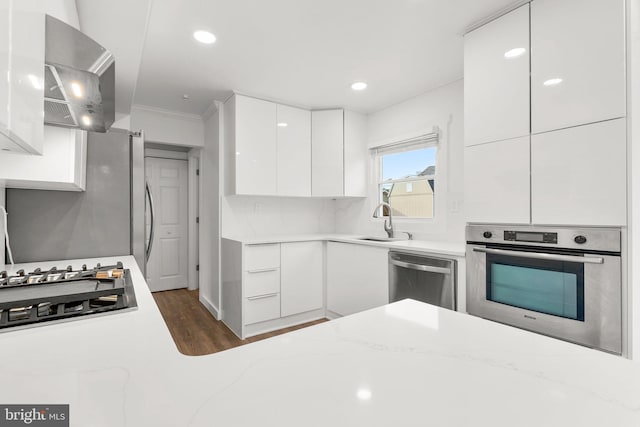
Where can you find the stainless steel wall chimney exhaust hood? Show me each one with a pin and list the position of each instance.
(79, 74)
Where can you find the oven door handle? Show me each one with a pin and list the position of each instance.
(536, 255)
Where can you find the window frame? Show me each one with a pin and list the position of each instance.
(421, 142)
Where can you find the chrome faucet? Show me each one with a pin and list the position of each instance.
(388, 227)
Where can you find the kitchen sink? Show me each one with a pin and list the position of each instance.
(380, 239)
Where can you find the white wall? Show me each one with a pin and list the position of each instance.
(442, 107)
(168, 127)
(123, 121)
(210, 212)
(634, 172)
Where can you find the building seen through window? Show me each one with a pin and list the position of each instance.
(407, 182)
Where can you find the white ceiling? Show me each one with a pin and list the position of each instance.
(119, 26)
(303, 52)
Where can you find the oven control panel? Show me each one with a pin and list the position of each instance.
(531, 236)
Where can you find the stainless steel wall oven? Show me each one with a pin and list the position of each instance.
(561, 282)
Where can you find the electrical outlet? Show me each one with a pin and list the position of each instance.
(456, 206)
(257, 208)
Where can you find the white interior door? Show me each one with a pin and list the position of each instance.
(168, 262)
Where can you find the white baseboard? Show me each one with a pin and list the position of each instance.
(212, 309)
(331, 315)
(281, 323)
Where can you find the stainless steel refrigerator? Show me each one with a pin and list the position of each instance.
(107, 219)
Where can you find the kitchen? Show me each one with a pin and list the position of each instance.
(280, 241)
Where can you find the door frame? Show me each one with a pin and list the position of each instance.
(192, 156)
(193, 262)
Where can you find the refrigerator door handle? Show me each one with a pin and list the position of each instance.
(152, 214)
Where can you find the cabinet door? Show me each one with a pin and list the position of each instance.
(301, 277)
(22, 37)
(261, 308)
(581, 42)
(578, 175)
(496, 79)
(62, 165)
(256, 146)
(327, 153)
(497, 182)
(294, 151)
(5, 49)
(357, 277)
(356, 154)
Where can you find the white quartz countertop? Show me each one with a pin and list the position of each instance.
(456, 249)
(404, 364)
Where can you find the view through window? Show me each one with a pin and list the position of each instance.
(407, 182)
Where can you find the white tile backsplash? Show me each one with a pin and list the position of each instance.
(261, 216)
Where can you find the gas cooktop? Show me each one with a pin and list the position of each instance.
(45, 296)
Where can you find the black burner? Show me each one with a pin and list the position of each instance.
(43, 296)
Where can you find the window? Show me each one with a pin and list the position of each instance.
(406, 177)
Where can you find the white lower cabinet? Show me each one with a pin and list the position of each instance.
(497, 182)
(261, 308)
(357, 277)
(271, 286)
(261, 283)
(579, 175)
(301, 277)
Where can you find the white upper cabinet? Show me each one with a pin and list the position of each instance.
(497, 182)
(577, 62)
(22, 44)
(253, 142)
(496, 79)
(579, 175)
(294, 151)
(327, 153)
(278, 150)
(356, 154)
(62, 165)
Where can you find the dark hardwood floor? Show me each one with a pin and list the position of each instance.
(195, 331)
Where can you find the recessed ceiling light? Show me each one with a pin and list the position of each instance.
(553, 82)
(364, 394)
(359, 86)
(283, 124)
(185, 97)
(204, 37)
(514, 53)
(86, 120)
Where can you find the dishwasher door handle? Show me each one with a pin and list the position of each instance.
(420, 267)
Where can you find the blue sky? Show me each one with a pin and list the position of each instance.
(399, 165)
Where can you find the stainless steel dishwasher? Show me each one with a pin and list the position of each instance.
(423, 278)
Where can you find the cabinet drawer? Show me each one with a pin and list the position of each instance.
(261, 308)
(260, 257)
(261, 282)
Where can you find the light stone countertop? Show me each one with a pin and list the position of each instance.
(404, 364)
(455, 249)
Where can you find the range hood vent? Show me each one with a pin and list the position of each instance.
(79, 80)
